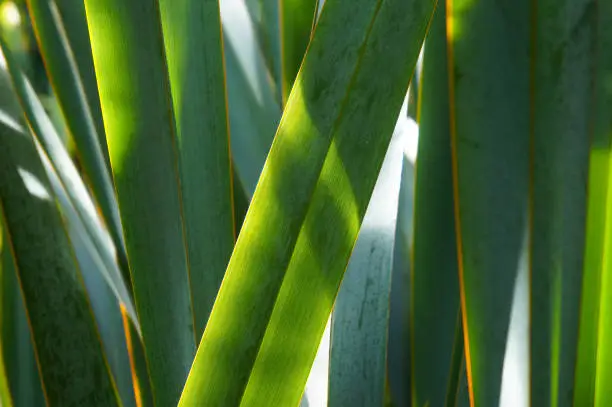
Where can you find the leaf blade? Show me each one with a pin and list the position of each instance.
(129, 59)
(361, 312)
(193, 38)
(281, 216)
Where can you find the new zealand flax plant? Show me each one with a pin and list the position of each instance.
(189, 189)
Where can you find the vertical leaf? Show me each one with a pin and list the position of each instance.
(593, 375)
(562, 66)
(192, 34)
(360, 320)
(435, 277)
(399, 364)
(489, 40)
(5, 392)
(134, 87)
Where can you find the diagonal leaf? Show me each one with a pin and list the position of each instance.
(49, 144)
(435, 283)
(490, 131)
(296, 24)
(107, 315)
(192, 34)
(101, 289)
(72, 363)
(64, 76)
(253, 111)
(130, 64)
(561, 77)
(17, 350)
(266, 17)
(75, 25)
(304, 218)
(360, 320)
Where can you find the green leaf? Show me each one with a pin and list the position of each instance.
(107, 315)
(435, 277)
(603, 396)
(134, 87)
(70, 356)
(16, 347)
(296, 24)
(138, 366)
(101, 289)
(490, 133)
(294, 246)
(64, 76)
(563, 56)
(192, 34)
(75, 27)
(253, 111)
(399, 363)
(5, 391)
(360, 320)
(266, 17)
(69, 181)
(593, 373)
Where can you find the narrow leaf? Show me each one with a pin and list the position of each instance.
(5, 392)
(68, 181)
(75, 27)
(64, 76)
(296, 24)
(16, 347)
(130, 64)
(593, 373)
(360, 320)
(399, 364)
(304, 218)
(562, 66)
(266, 17)
(490, 134)
(253, 110)
(435, 278)
(73, 367)
(192, 34)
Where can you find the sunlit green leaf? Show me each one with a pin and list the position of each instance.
(307, 209)
(129, 58)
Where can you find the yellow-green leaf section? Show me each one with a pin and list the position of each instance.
(130, 62)
(294, 246)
